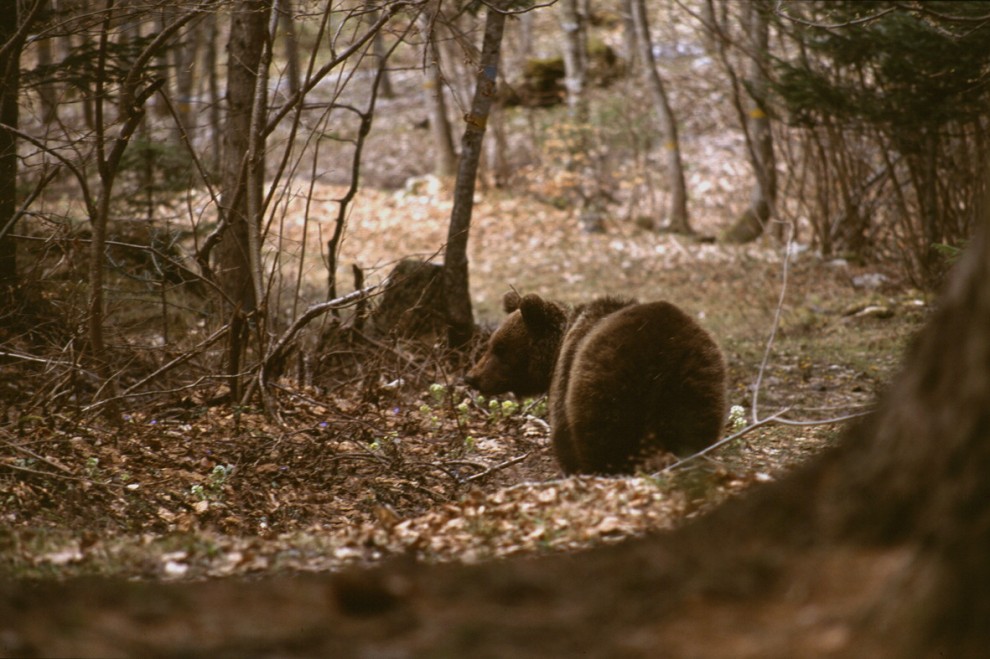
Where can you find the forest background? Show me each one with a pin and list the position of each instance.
(207, 369)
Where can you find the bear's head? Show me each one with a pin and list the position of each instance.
(521, 353)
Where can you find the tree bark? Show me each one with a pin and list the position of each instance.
(460, 320)
(677, 220)
(765, 164)
(759, 138)
(48, 90)
(241, 177)
(381, 52)
(185, 56)
(444, 156)
(497, 163)
(575, 46)
(630, 39)
(293, 71)
(10, 65)
(212, 73)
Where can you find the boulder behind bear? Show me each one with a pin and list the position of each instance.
(625, 379)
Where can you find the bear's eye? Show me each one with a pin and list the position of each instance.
(500, 350)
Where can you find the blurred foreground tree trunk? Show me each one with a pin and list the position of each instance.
(916, 472)
(677, 221)
(238, 254)
(460, 320)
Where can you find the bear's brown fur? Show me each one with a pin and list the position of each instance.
(625, 379)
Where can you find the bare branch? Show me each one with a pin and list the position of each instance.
(776, 321)
(500, 466)
(722, 442)
(36, 456)
(359, 43)
(27, 23)
(76, 172)
(311, 313)
(778, 10)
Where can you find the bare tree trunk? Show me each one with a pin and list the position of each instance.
(575, 46)
(525, 36)
(10, 66)
(497, 165)
(752, 223)
(586, 188)
(211, 29)
(630, 39)
(765, 192)
(460, 319)
(243, 164)
(444, 156)
(381, 52)
(293, 71)
(677, 220)
(99, 221)
(184, 57)
(47, 90)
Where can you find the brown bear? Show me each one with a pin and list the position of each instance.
(626, 380)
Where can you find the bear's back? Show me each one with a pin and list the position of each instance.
(584, 319)
(633, 380)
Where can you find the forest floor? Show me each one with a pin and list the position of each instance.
(192, 528)
(400, 460)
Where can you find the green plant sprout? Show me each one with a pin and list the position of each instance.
(213, 488)
(737, 418)
(438, 392)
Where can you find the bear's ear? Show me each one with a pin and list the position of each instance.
(510, 301)
(538, 314)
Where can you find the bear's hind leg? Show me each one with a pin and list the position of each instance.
(563, 445)
(606, 427)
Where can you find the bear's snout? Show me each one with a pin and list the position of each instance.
(479, 376)
(486, 377)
